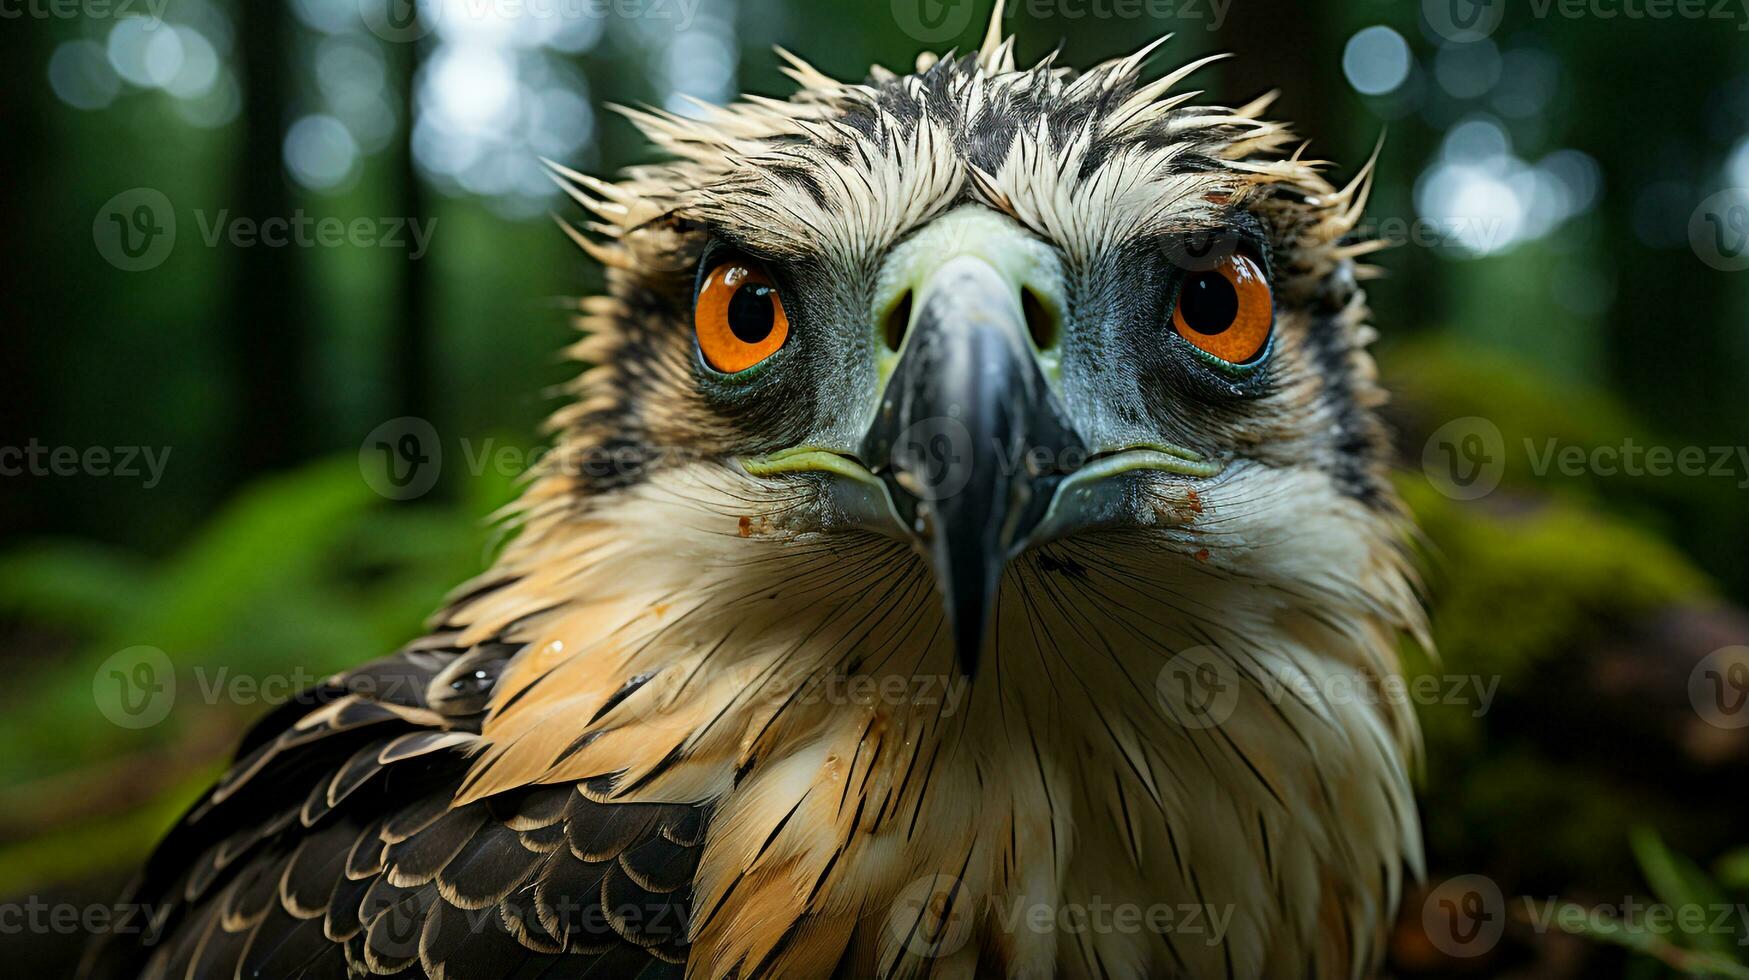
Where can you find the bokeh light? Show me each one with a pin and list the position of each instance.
(1485, 199)
(320, 152)
(1467, 71)
(80, 74)
(1376, 60)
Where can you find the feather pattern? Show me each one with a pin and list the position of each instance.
(645, 743)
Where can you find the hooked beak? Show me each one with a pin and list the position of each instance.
(969, 440)
(971, 456)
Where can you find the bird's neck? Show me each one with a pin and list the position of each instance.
(871, 804)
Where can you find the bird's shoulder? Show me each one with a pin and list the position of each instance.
(332, 847)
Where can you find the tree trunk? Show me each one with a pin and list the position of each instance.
(412, 348)
(267, 331)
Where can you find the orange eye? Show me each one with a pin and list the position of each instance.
(739, 316)
(1226, 312)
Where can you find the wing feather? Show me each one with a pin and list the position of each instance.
(334, 847)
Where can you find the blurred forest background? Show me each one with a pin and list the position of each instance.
(1558, 182)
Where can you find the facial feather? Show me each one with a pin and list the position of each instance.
(681, 617)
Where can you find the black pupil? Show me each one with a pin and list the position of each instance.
(1209, 303)
(752, 313)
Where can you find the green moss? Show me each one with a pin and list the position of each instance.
(1515, 584)
(1435, 382)
(1516, 581)
(91, 849)
(1443, 379)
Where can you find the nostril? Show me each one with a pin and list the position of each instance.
(1040, 322)
(898, 320)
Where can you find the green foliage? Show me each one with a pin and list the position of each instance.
(301, 575)
(1448, 379)
(102, 845)
(1440, 380)
(1540, 569)
(1514, 585)
(1701, 933)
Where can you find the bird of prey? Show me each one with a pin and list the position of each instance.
(973, 516)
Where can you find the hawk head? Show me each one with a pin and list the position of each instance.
(973, 508)
(979, 309)
(1049, 386)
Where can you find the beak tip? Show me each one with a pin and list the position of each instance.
(970, 606)
(968, 636)
(965, 406)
